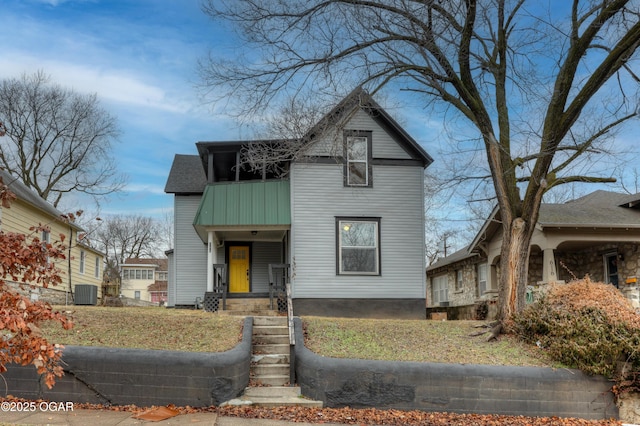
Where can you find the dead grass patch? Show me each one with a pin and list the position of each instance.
(419, 340)
(147, 328)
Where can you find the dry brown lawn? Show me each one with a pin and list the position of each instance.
(147, 328)
(199, 331)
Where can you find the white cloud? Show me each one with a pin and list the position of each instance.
(145, 188)
(121, 86)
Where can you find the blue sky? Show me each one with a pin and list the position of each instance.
(140, 58)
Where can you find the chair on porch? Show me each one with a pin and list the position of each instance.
(278, 279)
(212, 298)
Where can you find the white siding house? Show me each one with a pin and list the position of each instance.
(348, 218)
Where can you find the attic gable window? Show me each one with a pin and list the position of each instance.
(357, 158)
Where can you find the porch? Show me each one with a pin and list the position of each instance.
(219, 299)
(246, 228)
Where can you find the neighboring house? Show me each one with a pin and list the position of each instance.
(144, 279)
(83, 265)
(348, 218)
(598, 235)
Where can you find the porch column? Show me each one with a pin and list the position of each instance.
(549, 272)
(212, 258)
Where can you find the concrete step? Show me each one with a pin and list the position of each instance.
(274, 396)
(270, 359)
(271, 402)
(269, 339)
(261, 330)
(261, 370)
(271, 380)
(277, 348)
(271, 320)
(248, 313)
(281, 391)
(260, 304)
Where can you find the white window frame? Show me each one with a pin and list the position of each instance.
(97, 268)
(459, 280)
(83, 258)
(344, 224)
(440, 289)
(607, 268)
(482, 278)
(46, 239)
(136, 295)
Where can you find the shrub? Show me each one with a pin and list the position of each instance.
(585, 325)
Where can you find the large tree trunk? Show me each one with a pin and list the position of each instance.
(514, 267)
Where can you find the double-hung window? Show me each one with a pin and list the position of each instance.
(83, 257)
(440, 289)
(97, 267)
(459, 280)
(357, 156)
(358, 246)
(482, 278)
(46, 239)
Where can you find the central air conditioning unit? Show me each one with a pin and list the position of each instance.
(86, 294)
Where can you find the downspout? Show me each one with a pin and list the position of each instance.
(69, 268)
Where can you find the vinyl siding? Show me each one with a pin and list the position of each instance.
(264, 253)
(190, 255)
(396, 197)
(384, 147)
(21, 216)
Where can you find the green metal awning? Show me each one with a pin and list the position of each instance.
(247, 203)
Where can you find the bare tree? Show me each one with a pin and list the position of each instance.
(543, 86)
(56, 141)
(283, 136)
(126, 236)
(121, 237)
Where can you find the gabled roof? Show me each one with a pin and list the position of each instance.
(186, 176)
(360, 99)
(161, 264)
(457, 256)
(25, 194)
(599, 209)
(158, 286)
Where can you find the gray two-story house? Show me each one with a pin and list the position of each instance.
(347, 216)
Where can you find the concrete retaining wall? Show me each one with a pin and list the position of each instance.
(456, 388)
(141, 377)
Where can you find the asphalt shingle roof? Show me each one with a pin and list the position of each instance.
(598, 209)
(186, 176)
(28, 196)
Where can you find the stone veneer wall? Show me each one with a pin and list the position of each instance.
(590, 261)
(53, 295)
(468, 294)
(535, 268)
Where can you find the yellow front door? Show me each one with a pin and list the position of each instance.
(239, 269)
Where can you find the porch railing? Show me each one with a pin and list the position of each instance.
(278, 279)
(292, 336)
(212, 298)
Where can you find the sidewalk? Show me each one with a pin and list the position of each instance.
(120, 418)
